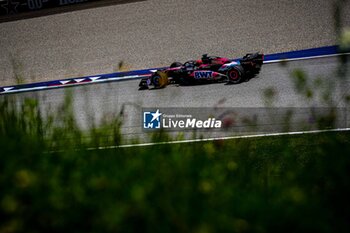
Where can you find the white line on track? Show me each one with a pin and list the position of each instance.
(221, 138)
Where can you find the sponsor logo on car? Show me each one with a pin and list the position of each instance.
(203, 74)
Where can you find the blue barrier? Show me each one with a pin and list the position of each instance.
(322, 51)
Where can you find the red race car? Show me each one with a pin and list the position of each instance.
(208, 69)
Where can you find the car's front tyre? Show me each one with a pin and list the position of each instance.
(159, 81)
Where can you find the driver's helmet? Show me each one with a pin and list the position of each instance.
(189, 65)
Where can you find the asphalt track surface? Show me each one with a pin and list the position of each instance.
(154, 33)
(92, 102)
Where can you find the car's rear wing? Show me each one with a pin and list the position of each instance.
(257, 58)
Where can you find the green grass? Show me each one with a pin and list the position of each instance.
(275, 184)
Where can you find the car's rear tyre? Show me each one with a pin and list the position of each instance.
(175, 64)
(235, 74)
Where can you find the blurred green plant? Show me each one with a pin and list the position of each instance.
(17, 68)
(49, 182)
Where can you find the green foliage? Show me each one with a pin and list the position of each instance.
(278, 184)
(269, 95)
(301, 83)
(17, 68)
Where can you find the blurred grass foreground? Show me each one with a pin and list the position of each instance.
(276, 184)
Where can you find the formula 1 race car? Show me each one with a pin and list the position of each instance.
(208, 69)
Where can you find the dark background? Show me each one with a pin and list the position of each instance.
(21, 9)
(11, 7)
